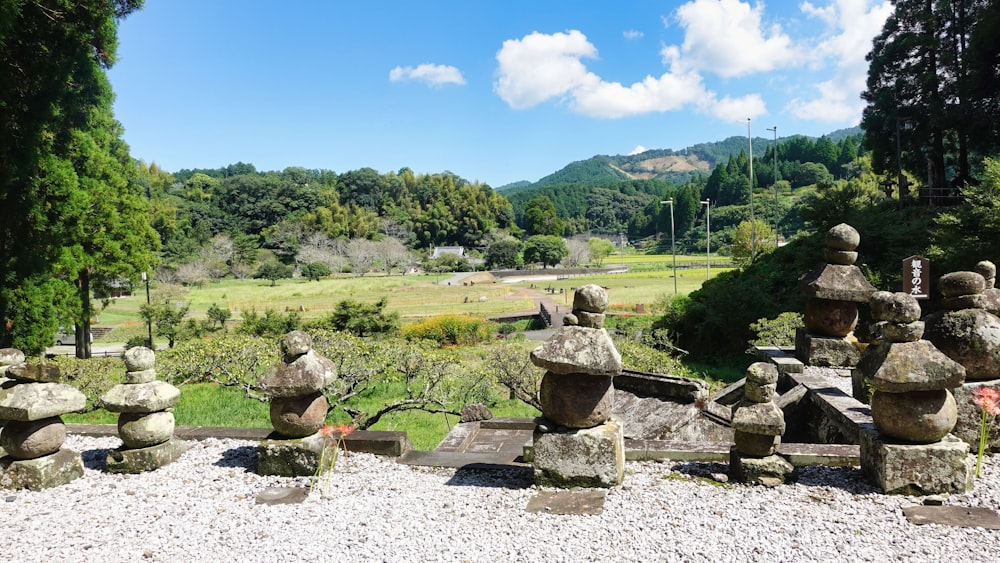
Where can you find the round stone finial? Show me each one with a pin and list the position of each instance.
(139, 358)
(956, 284)
(590, 298)
(988, 270)
(296, 343)
(894, 307)
(842, 237)
(763, 373)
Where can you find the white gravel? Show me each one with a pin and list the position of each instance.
(202, 508)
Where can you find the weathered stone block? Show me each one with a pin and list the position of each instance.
(140, 430)
(917, 469)
(910, 366)
(296, 457)
(970, 415)
(307, 374)
(35, 401)
(141, 398)
(42, 472)
(920, 417)
(575, 400)
(770, 470)
(298, 417)
(592, 457)
(37, 438)
(139, 460)
(971, 337)
(824, 351)
(575, 349)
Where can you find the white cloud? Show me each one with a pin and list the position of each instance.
(538, 67)
(735, 110)
(632, 34)
(639, 149)
(612, 100)
(435, 75)
(853, 24)
(727, 38)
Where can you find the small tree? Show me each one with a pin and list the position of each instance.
(504, 253)
(750, 241)
(166, 310)
(274, 271)
(218, 316)
(547, 249)
(600, 249)
(315, 270)
(360, 319)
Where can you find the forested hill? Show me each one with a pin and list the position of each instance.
(668, 165)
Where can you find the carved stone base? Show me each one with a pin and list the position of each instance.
(42, 472)
(826, 351)
(589, 457)
(139, 460)
(917, 469)
(771, 470)
(290, 457)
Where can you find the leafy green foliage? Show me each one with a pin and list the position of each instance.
(232, 359)
(504, 253)
(93, 377)
(271, 324)
(447, 262)
(166, 311)
(315, 270)
(545, 249)
(274, 271)
(360, 319)
(451, 330)
(966, 234)
(218, 316)
(779, 331)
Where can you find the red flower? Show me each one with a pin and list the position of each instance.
(988, 399)
(326, 430)
(343, 429)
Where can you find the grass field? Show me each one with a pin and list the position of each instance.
(414, 297)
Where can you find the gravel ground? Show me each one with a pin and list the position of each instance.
(202, 508)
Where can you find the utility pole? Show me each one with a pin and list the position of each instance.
(753, 220)
(774, 149)
(673, 249)
(708, 237)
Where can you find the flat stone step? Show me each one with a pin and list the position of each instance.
(460, 460)
(834, 455)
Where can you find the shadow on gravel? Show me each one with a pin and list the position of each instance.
(496, 476)
(846, 478)
(95, 459)
(244, 457)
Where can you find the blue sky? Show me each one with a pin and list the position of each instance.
(494, 91)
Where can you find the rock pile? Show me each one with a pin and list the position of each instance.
(577, 442)
(145, 419)
(758, 425)
(298, 408)
(968, 331)
(835, 288)
(909, 450)
(32, 402)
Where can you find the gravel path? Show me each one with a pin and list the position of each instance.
(202, 508)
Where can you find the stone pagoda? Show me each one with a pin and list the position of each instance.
(298, 409)
(32, 402)
(758, 424)
(834, 287)
(967, 332)
(577, 442)
(910, 450)
(145, 416)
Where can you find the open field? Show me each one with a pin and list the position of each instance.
(414, 296)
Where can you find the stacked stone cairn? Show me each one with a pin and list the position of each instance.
(968, 332)
(298, 409)
(758, 424)
(834, 287)
(988, 270)
(577, 442)
(145, 417)
(909, 450)
(32, 402)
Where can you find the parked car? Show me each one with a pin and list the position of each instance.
(64, 338)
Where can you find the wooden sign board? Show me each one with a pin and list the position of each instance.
(917, 277)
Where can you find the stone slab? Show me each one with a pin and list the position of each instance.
(140, 460)
(580, 502)
(769, 470)
(459, 459)
(589, 457)
(683, 389)
(917, 469)
(41, 473)
(783, 358)
(282, 495)
(961, 516)
(295, 457)
(25, 402)
(825, 351)
(140, 397)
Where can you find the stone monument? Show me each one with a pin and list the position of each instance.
(145, 416)
(577, 442)
(758, 425)
(967, 332)
(834, 287)
(909, 449)
(298, 409)
(32, 402)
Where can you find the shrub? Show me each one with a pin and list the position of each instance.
(91, 377)
(271, 323)
(457, 330)
(231, 360)
(779, 331)
(359, 319)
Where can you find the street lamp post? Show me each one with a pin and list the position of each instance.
(149, 322)
(673, 249)
(753, 220)
(708, 237)
(774, 149)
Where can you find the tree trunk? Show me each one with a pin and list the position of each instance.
(82, 332)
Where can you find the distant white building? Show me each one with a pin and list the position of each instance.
(438, 251)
